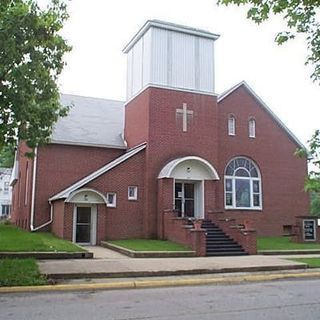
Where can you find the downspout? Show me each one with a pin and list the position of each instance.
(33, 194)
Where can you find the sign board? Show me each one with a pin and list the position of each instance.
(309, 230)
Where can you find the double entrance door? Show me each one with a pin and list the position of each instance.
(184, 199)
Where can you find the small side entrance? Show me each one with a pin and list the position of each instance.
(189, 199)
(84, 227)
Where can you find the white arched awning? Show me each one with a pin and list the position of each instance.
(189, 168)
(86, 195)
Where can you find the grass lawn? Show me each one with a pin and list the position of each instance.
(149, 245)
(20, 272)
(283, 243)
(13, 239)
(311, 262)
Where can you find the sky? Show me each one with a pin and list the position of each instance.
(98, 30)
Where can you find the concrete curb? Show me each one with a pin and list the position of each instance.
(47, 255)
(129, 274)
(136, 284)
(288, 252)
(148, 254)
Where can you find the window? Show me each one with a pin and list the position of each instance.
(111, 199)
(132, 193)
(6, 188)
(5, 210)
(242, 185)
(231, 125)
(252, 128)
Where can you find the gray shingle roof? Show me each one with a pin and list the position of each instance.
(91, 122)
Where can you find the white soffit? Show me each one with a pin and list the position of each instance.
(169, 167)
(66, 192)
(168, 26)
(265, 107)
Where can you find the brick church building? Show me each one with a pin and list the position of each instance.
(173, 152)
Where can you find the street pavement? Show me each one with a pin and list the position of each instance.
(281, 300)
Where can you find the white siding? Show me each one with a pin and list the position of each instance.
(159, 57)
(183, 60)
(206, 65)
(146, 58)
(137, 68)
(171, 59)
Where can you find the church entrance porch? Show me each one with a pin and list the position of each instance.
(188, 199)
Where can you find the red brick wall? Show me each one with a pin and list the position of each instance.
(22, 190)
(57, 226)
(273, 151)
(58, 166)
(126, 220)
(166, 140)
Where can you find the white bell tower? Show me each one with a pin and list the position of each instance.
(171, 56)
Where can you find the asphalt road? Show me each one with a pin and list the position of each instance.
(296, 299)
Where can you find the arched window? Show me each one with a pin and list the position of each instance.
(231, 125)
(242, 184)
(252, 128)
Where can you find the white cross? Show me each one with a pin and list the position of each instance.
(185, 113)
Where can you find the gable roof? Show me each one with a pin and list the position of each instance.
(130, 153)
(91, 122)
(266, 108)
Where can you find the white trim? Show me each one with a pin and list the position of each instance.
(159, 86)
(266, 108)
(66, 192)
(72, 194)
(93, 226)
(168, 26)
(135, 193)
(233, 192)
(168, 168)
(252, 128)
(231, 125)
(112, 204)
(84, 144)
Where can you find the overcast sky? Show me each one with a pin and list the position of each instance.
(98, 30)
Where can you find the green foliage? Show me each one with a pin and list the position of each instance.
(20, 272)
(283, 243)
(149, 245)
(13, 239)
(301, 17)
(7, 157)
(312, 182)
(315, 204)
(31, 59)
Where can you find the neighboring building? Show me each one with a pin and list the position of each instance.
(115, 169)
(5, 192)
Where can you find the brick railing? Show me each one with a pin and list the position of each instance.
(178, 230)
(242, 233)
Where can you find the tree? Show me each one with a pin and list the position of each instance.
(31, 59)
(301, 18)
(315, 204)
(7, 157)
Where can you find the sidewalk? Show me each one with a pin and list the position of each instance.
(109, 264)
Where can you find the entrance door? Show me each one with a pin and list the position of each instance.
(184, 199)
(83, 225)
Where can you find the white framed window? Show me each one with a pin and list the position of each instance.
(6, 187)
(132, 193)
(252, 128)
(242, 183)
(111, 199)
(231, 125)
